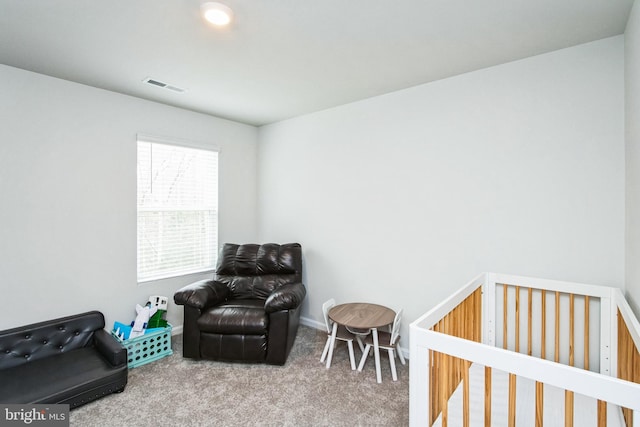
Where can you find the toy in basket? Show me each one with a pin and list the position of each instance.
(157, 320)
(144, 343)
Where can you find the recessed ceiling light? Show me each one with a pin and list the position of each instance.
(216, 13)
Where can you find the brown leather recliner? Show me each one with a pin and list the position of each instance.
(250, 311)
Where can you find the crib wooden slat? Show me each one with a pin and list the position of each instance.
(459, 370)
(529, 321)
(602, 413)
(437, 385)
(453, 362)
(571, 328)
(539, 403)
(504, 316)
(636, 366)
(431, 383)
(478, 311)
(517, 319)
(436, 377)
(512, 400)
(586, 332)
(444, 381)
(568, 408)
(487, 396)
(543, 325)
(465, 394)
(474, 318)
(455, 325)
(556, 356)
(623, 357)
(447, 372)
(636, 377)
(628, 362)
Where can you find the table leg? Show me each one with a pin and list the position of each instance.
(376, 354)
(332, 343)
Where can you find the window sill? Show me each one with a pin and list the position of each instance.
(169, 276)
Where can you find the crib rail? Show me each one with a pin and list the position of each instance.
(565, 322)
(547, 320)
(464, 322)
(628, 355)
(488, 321)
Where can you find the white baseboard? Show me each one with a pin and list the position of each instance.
(177, 330)
(312, 323)
(320, 325)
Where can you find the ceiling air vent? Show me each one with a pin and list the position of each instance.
(174, 88)
(163, 85)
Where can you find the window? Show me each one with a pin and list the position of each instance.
(177, 209)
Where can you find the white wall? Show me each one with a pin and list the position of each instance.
(68, 195)
(632, 138)
(401, 199)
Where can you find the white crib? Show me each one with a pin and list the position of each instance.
(518, 351)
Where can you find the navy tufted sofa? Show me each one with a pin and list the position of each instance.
(71, 360)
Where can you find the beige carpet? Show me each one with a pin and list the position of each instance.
(180, 392)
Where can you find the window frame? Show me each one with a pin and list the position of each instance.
(154, 139)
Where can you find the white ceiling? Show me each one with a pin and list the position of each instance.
(284, 58)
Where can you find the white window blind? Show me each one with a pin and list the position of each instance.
(177, 210)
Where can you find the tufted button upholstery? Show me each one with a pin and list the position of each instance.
(70, 360)
(18, 343)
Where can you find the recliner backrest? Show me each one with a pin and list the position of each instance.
(254, 271)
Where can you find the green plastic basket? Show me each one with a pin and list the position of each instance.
(148, 347)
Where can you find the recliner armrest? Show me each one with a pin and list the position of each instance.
(286, 297)
(110, 348)
(202, 294)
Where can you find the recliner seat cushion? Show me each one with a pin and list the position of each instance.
(233, 347)
(241, 317)
(60, 378)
